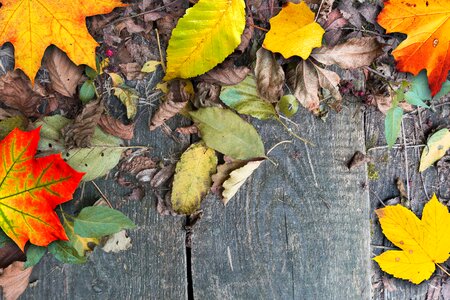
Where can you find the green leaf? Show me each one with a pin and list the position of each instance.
(91, 73)
(419, 90)
(97, 160)
(227, 133)
(77, 242)
(34, 255)
(8, 124)
(87, 91)
(437, 145)
(192, 179)
(99, 221)
(243, 97)
(65, 253)
(393, 124)
(445, 89)
(129, 98)
(288, 105)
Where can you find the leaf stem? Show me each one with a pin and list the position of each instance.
(289, 130)
(101, 193)
(443, 270)
(163, 65)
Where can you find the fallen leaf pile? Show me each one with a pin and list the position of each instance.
(213, 66)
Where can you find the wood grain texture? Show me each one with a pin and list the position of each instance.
(299, 230)
(155, 266)
(401, 163)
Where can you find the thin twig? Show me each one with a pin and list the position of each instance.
(396, 146)
(443, 270)
(101, 193)
(163, 65)
(318, 11)
(257, 27)
(278, 144)
(142, 13)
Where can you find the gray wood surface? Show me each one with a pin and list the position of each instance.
(155, 266)
(398, 163)
(299, 230)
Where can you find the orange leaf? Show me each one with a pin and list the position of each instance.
(427, 24)
(32, 25)
(31, 188)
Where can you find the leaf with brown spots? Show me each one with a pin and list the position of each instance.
(424, 243)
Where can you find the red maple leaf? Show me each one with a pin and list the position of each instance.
(31, 188)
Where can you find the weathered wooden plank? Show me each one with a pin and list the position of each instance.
(155, 266)
(400, 163)
(299, 230)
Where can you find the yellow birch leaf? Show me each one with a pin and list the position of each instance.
(294, 32)
(204, 37)
(33, 25)
(237, 179)
(424, 243)
(192, 178)
(436, 147)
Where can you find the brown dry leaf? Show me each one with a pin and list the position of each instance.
(207, 95)
(132, 71)
(64, 74)
(225, 74)
(354, 53)
(329, 80)
(136, 164)
(113, 126)
(162, 176)
(17, 92)
(193, 129)
(78, 134)
(180, 93)
(333, 27)
(14, 280)
(247, 35)
(269, 76)
(223, 173)
(384, 103)
(305, 84)
(358, 160)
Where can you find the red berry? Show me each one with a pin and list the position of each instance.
(109, 53)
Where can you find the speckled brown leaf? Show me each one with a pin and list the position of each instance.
(64, 74)
(225, 74)
(305, 84)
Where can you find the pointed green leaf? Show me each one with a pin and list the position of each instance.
(63, 252)
(392, 123)
(419, 90)
(227, 133)
(243, 97)
(99, 221)
(34, 255)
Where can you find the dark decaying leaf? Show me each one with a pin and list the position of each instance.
(269, 76)
(207, 95)
(64, 74)
(333, 27)
(17, 92)
(10, 253)
(247, 35)
(115, 127)
(180, 93)
(78, 134)
(14, 280)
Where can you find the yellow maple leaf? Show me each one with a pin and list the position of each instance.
(424, 243)
(204, 37)
(294, 32)
(32, 25)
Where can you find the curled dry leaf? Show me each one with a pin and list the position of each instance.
(305, 84)
(180, 93)
(132, 71)
(354, 53)
(247, 35)
(333, 27)
(14, 280)
(117, 242)
(384, 103)
(225, 74)
(207, 95)
(237, 179)
(64, 74)
(436, 147)
(187, 130)
(223, 173)
(329, 80)
(162, 176)
(269, 76)
(115, 127)
(79, 133)
(358, 160)
(17, 92)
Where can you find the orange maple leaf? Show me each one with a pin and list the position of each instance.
(32, 25)
(427, 24)
(31, 188)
